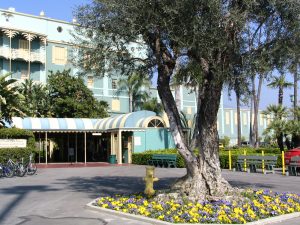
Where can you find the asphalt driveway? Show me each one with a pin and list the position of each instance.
(58, 195)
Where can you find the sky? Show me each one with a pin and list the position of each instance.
(62, 10)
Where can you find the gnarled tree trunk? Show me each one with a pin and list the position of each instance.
(203, 179)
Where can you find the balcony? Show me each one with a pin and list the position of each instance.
(23, 54)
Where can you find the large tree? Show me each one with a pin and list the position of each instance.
(210, 34)
(69, 97)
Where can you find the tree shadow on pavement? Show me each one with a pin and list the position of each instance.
(20, 193)
(103, 186)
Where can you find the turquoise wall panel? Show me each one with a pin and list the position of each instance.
(55, 67)
(141, 145)
(153, 139)
(35, 71)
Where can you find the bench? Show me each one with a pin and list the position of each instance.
(163, 160)
(294, 165)
(254, 162)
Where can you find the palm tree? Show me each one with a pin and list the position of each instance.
(153, 105)
(37, 101)
(279, 125)
(280, 83)
(135, 85)
(10, 100)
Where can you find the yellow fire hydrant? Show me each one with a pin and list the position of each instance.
(149, 179)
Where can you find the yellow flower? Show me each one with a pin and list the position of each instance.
(161, 217)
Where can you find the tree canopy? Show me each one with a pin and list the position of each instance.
(10, 100)
(216, 37)
(69, 97)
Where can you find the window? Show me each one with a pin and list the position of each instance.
(59, 29)
(59, 55)
(245, 119)
(235, 118)
(24, 74)
(189, 110)
(227, 119)
(23, 44)
(155, 123)
(90, 81)
(114, 84)
(261, 119)
(115, 105)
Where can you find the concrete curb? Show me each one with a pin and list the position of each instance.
(159, 222)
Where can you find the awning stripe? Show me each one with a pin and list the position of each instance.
(130, 120)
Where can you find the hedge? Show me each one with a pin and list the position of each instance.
(142, 158)
(16, 153)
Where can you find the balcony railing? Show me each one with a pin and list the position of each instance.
(23, 54)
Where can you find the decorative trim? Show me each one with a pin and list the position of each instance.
(29, 36)
(10, 33)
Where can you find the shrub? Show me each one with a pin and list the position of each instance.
(16, 153)
(142, 158)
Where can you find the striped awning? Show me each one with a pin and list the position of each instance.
(126, 122)
(129, 120)
(54, 124)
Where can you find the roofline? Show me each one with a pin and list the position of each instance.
(37, 17)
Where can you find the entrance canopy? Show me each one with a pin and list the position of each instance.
(140, 119)
(134, 120)
(55, 124)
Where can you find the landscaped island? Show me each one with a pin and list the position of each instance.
(255, 205)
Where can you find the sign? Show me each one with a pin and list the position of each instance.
(13, 143)
(71, 151)
(137, 141)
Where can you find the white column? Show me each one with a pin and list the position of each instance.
(40, 141)
(119, 147)
(76, 148)
(46, 137)
(105, 86)
(85, 147)
(111, 143)
(232, 122)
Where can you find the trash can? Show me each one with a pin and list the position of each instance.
(112, 159)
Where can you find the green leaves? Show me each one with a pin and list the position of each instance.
(10, 99)
(69, 97)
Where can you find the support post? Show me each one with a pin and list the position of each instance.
(263, 162)
(40, 142)
(245, 162)
(84, 147)
(111, 143)
(119, 147)
(76, 148)
(229, 159)
(283, 163)
(10, 54)
(68, 148)
(46, 137)
(29, 56)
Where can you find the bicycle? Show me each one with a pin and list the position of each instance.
(6, 171)
(17, 167)
(30, 166)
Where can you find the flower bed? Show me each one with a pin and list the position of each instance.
(257, 205)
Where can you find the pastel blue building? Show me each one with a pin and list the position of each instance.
(33, 45)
